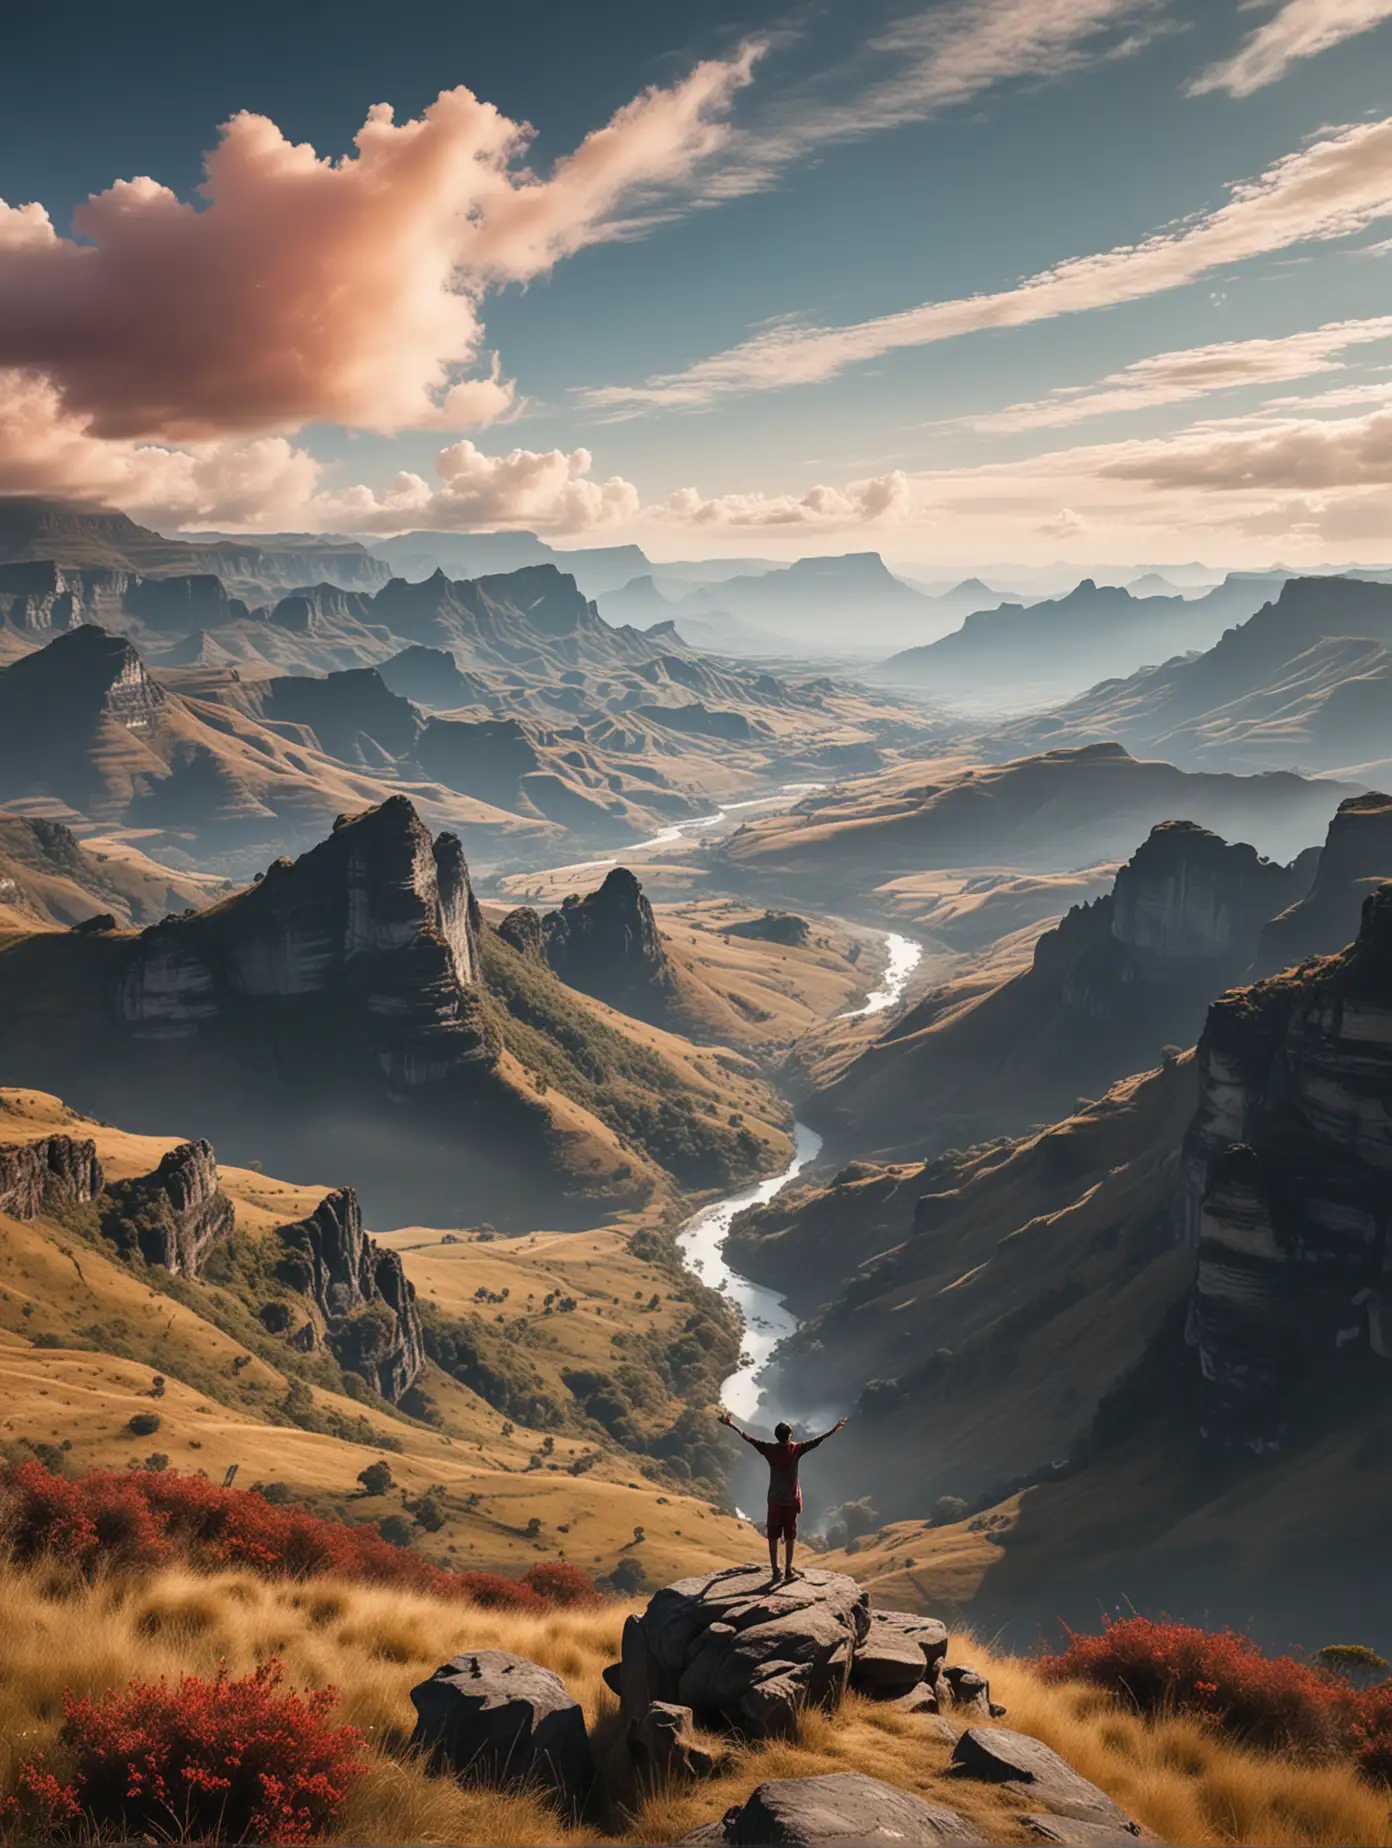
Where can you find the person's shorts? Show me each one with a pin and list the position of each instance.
(782, 1520)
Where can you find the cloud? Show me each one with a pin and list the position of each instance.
(1186, 374)
(551, 491)
(934, 59)
(1292, 455)
(301, 289)
(1065, 524)
(1301, 29)
(1336, 186)
(859, 503)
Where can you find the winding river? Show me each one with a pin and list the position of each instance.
(767, 1318)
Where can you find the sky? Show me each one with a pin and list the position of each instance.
(959, 282)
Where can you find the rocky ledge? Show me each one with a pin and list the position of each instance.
(178, 1213)
(47, 1175)
(750, 1655)
(607, 945)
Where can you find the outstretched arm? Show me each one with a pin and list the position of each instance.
(813, 1442)
(725, 1419)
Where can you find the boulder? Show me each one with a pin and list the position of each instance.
(663, 1744)
(504, 1719)
(927, 1632)
(1034, 1772)
(1069, 1830)
(961, 1688)
(888, 1662)
(742, 1652)
(844, 1806)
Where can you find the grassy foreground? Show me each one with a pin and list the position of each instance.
(373, 1644)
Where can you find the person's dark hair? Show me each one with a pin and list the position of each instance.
(782, 1432)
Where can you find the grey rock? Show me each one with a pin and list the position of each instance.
(927, 1632)
(1034, 1772)
(742, 1652)
(607, 944)
(663, 1744)
(964, 1690)
(506, 1720)
(52, 1173)
(844, 1806)
(888, 1663)
(196, 1214)
(922, 1699)
(1069, 1829)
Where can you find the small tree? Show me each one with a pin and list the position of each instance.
(397, 1529)
(143, 1424)
(428, 1514)
(947, 1509)
(376, 1479)
(533, 1527)
(157, 1386)
(1353, 1662)
(628, 1577)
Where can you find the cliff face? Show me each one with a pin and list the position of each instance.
(378, 919)
(179, 1212)
(1287, 1169)
(347, 1275)
(607, 945)
(522, 929)
(1356, 857)
(48, 1175)
(1182, 921)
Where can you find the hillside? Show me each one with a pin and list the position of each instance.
(1010, 654)
(1048, 813)
(358, 987)
(488, 1426)
(1301, 682)
(46, 876)
(820, 605)
(78, 534)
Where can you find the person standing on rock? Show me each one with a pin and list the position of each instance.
(784, 1492)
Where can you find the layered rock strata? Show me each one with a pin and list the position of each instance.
(1288, 1174)
(181, 1209)
(1355, 859)
(48, 1175)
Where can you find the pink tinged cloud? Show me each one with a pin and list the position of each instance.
(1301, 29)
(1334, 187)
(883, 499)
(301, 289)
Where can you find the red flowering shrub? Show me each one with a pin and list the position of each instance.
(556, 1581)
(224, 1760)
(1370, 1733)
(141, 1518)
(1223, 1677)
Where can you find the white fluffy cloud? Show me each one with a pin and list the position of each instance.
(1301, 29)
(860, 503)
(1337, 185)
(303, 289)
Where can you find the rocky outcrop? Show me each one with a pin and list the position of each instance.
(179, 1212)
(1187, 893)
(607, 945)
(352, 715)
(378, 920)
(897, 1653)
(360, 1289)
(1355, 859)
(743, 1653)
(1287, 1168)
(783, 927)
(47, 1175)
(843, 1806)
(522, 930)
(494, 1716)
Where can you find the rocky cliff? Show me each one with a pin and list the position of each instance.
(360, 1289)
(176, 1214)
(1355, 859)
(1288, 1164)
(56, 1172)
(607, 944)
(378, 921)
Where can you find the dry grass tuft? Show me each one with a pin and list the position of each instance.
(374, 1644)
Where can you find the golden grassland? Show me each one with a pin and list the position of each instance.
(218, 1405)
(1183, 1783)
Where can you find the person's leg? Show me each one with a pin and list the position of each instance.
(789, 1536)
(773, 1543)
